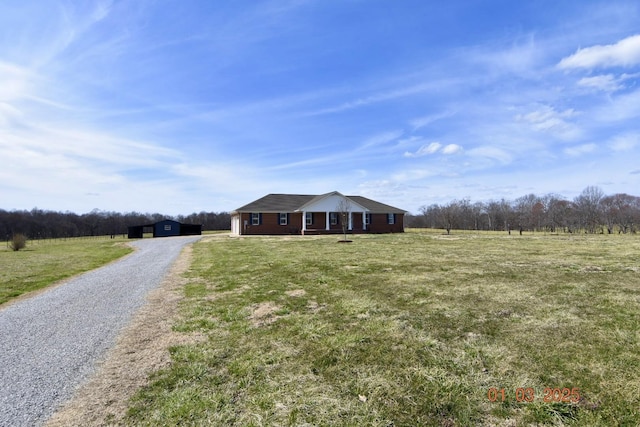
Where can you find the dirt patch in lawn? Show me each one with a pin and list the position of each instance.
(264, 313)
(140, 350)
(296, 293)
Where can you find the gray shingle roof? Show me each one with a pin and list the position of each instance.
(293, 202)
(375, 207)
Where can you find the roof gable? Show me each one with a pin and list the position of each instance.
(332, 202)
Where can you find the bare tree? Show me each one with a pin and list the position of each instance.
(590, 211)
(431, 215)
(589, 208)
(344, 210)
(622, 210)
(450, 214)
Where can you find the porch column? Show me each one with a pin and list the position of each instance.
(350, 221)
(327, 220)
(304, 221)
(364, 220)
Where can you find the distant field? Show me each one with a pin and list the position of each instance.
(44, 262)
(403, 330)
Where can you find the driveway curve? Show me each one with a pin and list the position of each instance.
(49, 344)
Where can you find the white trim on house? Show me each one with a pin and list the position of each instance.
(329, 203)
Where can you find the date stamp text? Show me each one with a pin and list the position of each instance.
(528, 394)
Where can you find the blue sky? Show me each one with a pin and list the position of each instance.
(190, 105)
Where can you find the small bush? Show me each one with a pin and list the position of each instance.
(18, 241)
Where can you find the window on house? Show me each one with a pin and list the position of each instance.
(391, 218)
(283, 219)
(255, 219)
(167, 227)
(367, 218)
(309, 218)
(333, 218)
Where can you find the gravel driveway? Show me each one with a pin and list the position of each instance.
(49, 344)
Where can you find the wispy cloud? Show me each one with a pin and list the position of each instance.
(625, 142)
(423, 121)
(381, 139)
(424, 150)
(605, 83)
(547, 119)
(433, 148)
(376, 96)
(491, 153)
(624, 53)
(580, 150)
(622, 108)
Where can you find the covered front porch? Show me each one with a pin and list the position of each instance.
(328, 222)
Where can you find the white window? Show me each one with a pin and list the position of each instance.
(309, 218)
(255, 219)
(283, 219)
(333, 218)
(391, 218)
(167, 227)
(367, 218)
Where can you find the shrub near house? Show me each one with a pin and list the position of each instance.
(18, 241)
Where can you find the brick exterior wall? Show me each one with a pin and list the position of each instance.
(270, 224)
(379, 224)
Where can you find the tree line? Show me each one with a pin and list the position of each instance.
(43, 224)
(590, 212)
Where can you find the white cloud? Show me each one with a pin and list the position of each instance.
(412, 175)
(408, 142)
(606, 83)
(426, 149)
(377, 95)
(451, 149)
(579, 150)
(15, 81)
(493, 153)
(381, 139)
(519, 57)
(621, 108)
(8, 114)
(90, 146)
(624, 53)
(421, 122)
(625, 142)
(433, 148)
(387, 190)
(547, 119)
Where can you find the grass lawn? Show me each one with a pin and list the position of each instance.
(44, 262)
(404, 330)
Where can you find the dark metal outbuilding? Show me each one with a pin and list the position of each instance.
(165, 228)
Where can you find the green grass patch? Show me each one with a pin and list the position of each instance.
(45, 262)
(404, 330)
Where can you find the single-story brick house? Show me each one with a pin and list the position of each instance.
(315, 214)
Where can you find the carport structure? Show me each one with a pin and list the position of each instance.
(165, 228)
